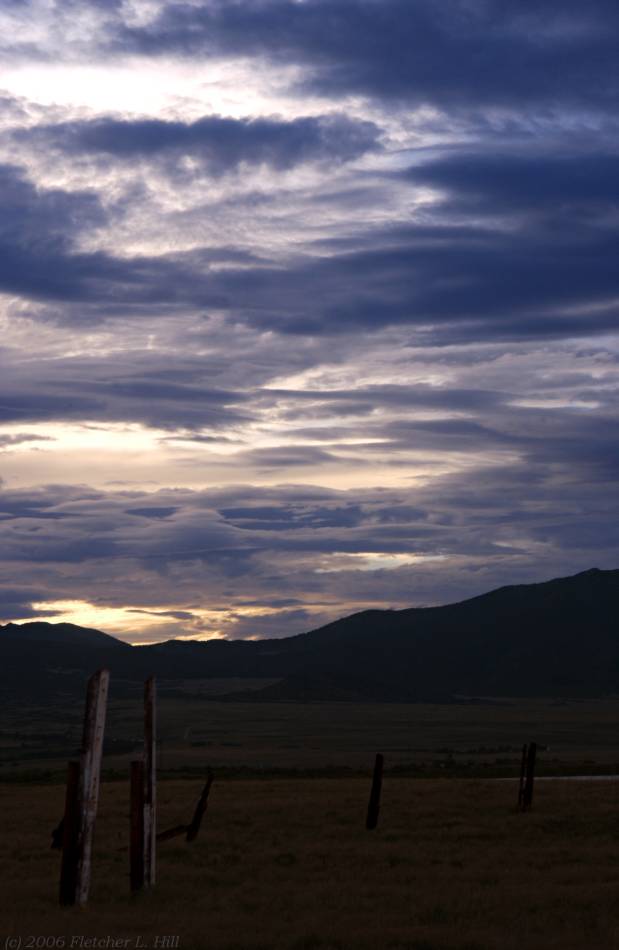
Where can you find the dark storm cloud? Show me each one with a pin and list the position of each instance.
(137, 388)
(178, 392)
(455, 54)
(39, 260)
(496, 182)
(156, 512)
(283, 517)
(221, 144)
(390, 395)
(16, 603)
(37, 218)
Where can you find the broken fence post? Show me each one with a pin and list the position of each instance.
(170, 833)
(82, 797)
(150, 782)
(194, 827)
(374, 803)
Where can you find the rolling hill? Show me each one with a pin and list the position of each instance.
(551, 639)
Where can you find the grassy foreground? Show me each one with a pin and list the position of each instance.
(288, 864)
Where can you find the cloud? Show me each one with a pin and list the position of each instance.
(378, 382)
(16, 603)
(456, 281)
(10, 441)
(223, 550)
(495, 182)
(216, 143)
(455, 55)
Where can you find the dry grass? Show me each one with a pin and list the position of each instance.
(288, 864)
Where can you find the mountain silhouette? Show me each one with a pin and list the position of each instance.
(555, 638)
(68, 633)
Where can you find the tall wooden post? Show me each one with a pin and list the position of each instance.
(82, 796)
(150, 782)
(374, 803)
(90, 776)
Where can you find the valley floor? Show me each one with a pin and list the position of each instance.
(288, 865)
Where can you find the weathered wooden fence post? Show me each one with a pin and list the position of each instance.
(136, 839)
(374, 803)
(150, 782)
(82, 796)
(90, 776)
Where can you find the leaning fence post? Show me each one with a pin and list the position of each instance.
(150, 782)
(194, 827)
(374, 803)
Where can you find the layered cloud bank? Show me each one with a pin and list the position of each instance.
(305, 307)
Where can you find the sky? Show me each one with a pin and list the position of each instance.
(306, 307)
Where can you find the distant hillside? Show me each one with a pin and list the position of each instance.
(552, 639)
(67, 633)
(556, 638)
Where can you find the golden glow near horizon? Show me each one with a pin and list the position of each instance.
(142, 625)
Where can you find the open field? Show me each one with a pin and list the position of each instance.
(195, 730)
(288, 865)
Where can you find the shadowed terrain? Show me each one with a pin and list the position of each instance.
(558, 638)
(288, 865)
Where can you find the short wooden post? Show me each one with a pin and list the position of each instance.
(150, 782)
(530, 776)
(70, 830)
(136, 839)
(374, 803)
(523, 772)
(196, 821)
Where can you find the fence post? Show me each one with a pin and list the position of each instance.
(523, 772)
(530, 776)
(194, 827)
(150, 782)
(136, 839)
(82, 797)
(374, 803)
(90, 776)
